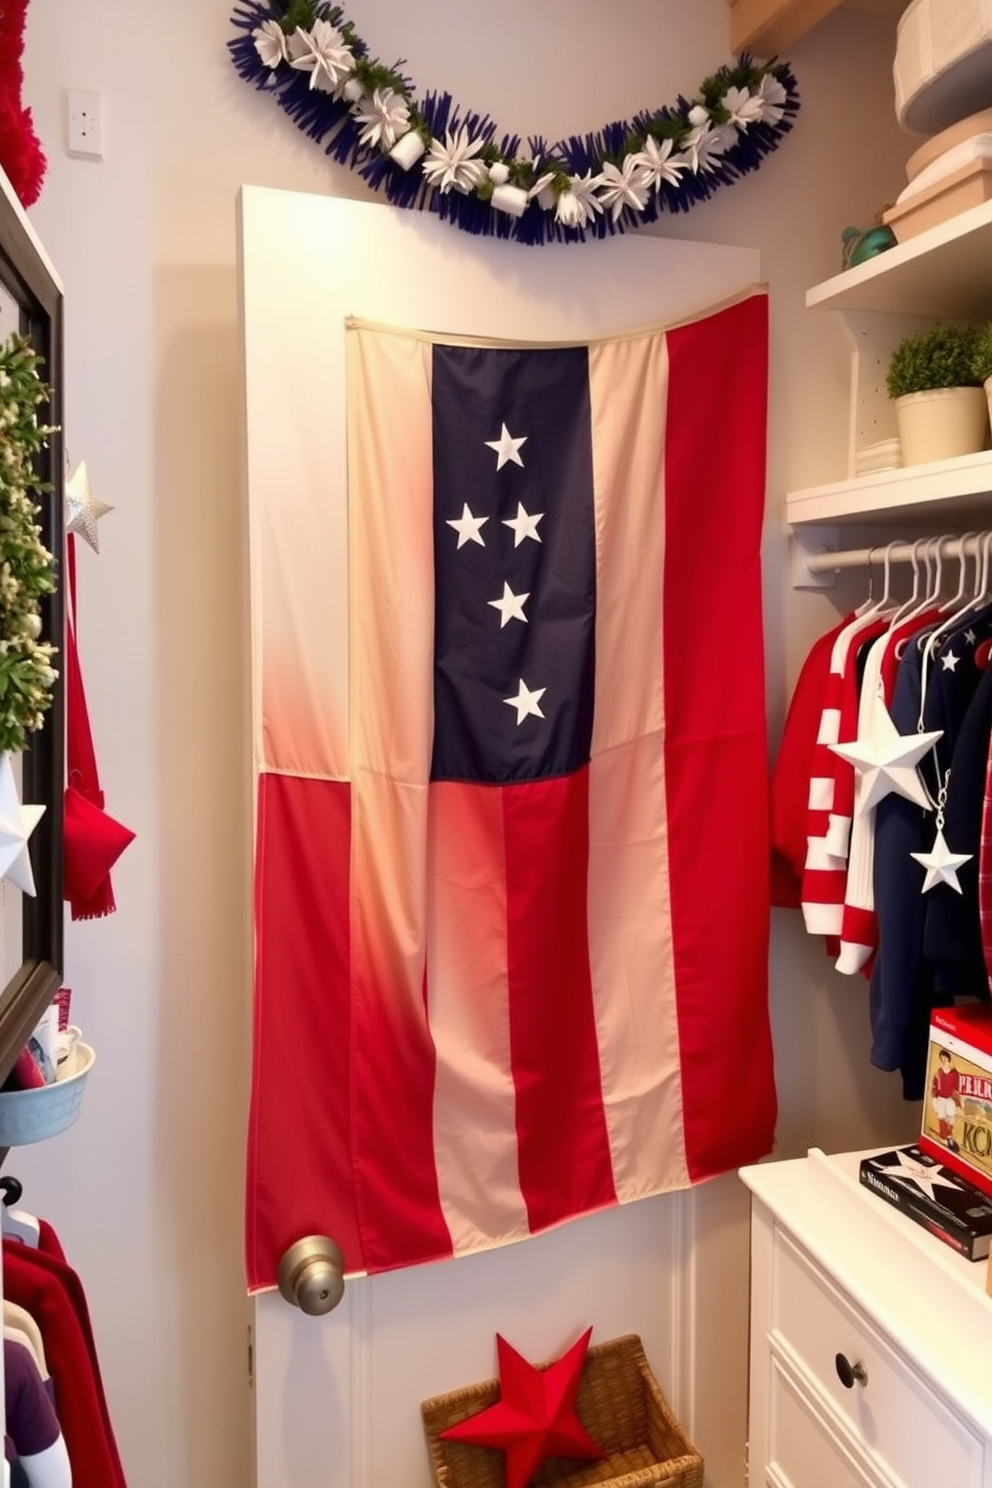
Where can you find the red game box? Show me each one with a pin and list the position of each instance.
(957, 1102)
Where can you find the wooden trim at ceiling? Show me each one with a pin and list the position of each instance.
(769, 27)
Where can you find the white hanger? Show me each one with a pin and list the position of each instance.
(18, 1224)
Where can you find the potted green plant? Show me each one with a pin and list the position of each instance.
(941, 405)
(981, 362)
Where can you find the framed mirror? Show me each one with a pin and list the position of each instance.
(31, 926)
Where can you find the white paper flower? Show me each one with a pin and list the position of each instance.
(542, 190)
(743, 106)
(579, 204)
(623, 185)
(657, 163)
(451, 165)
(270, 43)
(773, 99)
(705, 142)
(499, 173)
(384, 116)
(323, 53)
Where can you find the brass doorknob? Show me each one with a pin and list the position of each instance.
(311, 1275)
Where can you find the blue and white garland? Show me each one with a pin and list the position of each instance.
(428, 154)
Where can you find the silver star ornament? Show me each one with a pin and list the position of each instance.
(941, 864)
(82, 509)
(886, 761)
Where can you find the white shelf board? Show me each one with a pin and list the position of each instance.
(947, 491)
(945, 271)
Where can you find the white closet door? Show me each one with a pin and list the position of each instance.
(336, 1399)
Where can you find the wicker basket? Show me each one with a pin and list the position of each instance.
(620, 1405)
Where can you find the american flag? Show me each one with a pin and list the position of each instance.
(525, 926)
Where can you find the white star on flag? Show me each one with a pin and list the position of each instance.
(468, 527)
(941, 864)
(506, 447)
(908, 1170)
(523, 525)
(970, 637)
(886, 761)
(17, 822)
(82, 509)
(949, 661)
(527, 702)
(511, 606)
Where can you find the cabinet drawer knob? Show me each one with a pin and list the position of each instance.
(849, 1373)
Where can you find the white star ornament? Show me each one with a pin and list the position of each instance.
(941, 864)
(82, 509)
(17, 822)
(507, 448)
(886, 761)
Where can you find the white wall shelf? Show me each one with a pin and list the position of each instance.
(948, 492)
(945, 271)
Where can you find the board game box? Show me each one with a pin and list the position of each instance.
(957, 1100)
(933, 1196)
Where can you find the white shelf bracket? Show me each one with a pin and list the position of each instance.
(809, 540)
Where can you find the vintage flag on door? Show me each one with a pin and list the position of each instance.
(512, 907)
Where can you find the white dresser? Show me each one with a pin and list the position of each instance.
(871, 1341)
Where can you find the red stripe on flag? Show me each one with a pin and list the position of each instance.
(299, 1132)
(564, 1154)
(397, 1195)
(715, 752)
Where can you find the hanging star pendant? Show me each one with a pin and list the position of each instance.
(17, 822)
(886, 761)
(523, 525)
(941, 864)
(469, 528)
(534, 1418)
(511, 606)
(507, 448)
(526, 702)
(907, 1170)
(82, 509)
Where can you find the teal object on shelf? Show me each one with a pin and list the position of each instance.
(858, 245)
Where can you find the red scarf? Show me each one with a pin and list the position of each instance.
(92, 840)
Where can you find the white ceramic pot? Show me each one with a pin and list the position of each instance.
(942, 424)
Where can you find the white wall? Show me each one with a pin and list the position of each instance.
(146, 1190)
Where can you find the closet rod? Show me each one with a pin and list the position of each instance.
(898, 552)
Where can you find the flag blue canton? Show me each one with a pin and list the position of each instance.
(514, 563)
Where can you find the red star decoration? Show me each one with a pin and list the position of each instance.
(535, 1416)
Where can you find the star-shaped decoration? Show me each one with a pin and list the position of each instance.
(886, 761)
(17, 822)
(941, 864)
(469, 528)
(507, 448)
(908, 1170)
(949, 661)
(971, 637)
(534, 1418)
(511, 606)
(523, 525)
(527, 702)
(82, 509)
